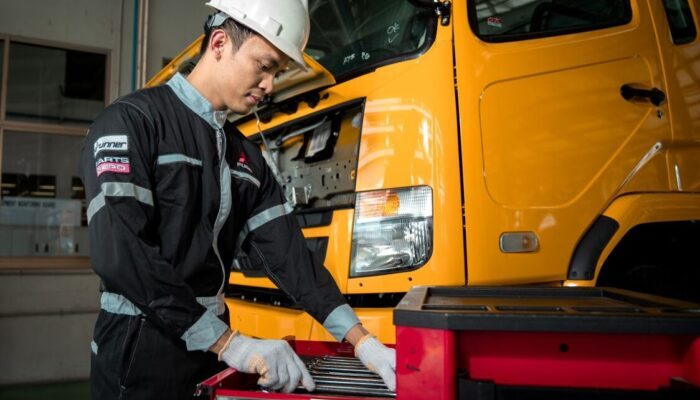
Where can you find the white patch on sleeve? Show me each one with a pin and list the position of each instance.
(111, 143)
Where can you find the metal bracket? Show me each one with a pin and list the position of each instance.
(443, 9)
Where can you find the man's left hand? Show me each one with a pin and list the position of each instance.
(378, 358)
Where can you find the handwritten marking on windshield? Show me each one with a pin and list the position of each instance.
(349, 58)
(392, 29)
(393, 32)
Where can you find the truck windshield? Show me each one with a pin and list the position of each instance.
(350, 36)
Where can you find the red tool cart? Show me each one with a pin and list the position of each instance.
(486, 343)
(501, 343)
(337, 374)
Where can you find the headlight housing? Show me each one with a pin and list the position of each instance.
(393, 230)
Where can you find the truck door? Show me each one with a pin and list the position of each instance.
(676, 22)
(548, 140)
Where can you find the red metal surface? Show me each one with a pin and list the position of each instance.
(315, 349)
(428, 361)
(584, 360)
(230, 383)
(249, 394)
(426, 364)
(692, 363)
(218, 378)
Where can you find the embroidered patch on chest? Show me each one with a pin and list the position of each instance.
(243, 163)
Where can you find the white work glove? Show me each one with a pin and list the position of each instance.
(378, 358)
(274, 360)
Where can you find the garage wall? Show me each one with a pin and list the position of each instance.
(78, 22)
(46, 321)
(171, 28)
(109, 25)
(47, 314)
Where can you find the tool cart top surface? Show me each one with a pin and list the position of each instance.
(553, 309)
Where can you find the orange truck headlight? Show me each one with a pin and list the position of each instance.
(393, 230)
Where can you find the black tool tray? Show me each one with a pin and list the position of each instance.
(551, 309)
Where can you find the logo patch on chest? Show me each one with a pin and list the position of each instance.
(243, 163)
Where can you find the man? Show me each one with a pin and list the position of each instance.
(170, 205)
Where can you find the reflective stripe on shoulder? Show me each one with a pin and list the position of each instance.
(246, 177)
(178, 158)
(262, 218)
(118, 189)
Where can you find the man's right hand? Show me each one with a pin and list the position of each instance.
(274, 360)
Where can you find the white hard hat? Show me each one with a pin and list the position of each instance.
(284, 23)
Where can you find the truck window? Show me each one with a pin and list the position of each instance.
(680, 20)
(509, 20)
(351, 36)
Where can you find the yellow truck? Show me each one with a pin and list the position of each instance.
(483, 142)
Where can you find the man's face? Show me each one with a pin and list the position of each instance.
(245, 76)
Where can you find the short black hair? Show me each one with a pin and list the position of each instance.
(236, 32)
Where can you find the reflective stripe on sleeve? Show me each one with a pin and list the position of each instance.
(200, 336)
(118, 304)
(178, 158)
(248, 177)
(118, 189)
(262, 218)
(339, 321)
(205, 332)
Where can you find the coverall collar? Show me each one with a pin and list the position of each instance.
(196, 102)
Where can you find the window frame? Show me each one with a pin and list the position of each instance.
(431, 35)
(671, 31)
(39, 263)
(474, 25)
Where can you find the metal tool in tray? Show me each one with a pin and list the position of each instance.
(345, 375)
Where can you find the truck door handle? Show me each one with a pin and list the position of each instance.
(654, 95)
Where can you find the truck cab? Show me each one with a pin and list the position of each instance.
(482, 142)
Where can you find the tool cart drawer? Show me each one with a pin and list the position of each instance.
(337, 374)
(545, 343)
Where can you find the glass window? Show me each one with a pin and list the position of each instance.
(348, 36)
(680, 20)
(508, 20)
(48, 84)
(42, 211)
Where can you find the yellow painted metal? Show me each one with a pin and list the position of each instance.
(547, 146)
(338, 234)
(376, 320)
(264, 321)
(632, 210)
(681, 64)
(409, 138)
(636, 209)
(191, 52)
(549, 143)
(543, 150)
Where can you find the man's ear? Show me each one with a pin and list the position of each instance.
(217, 41)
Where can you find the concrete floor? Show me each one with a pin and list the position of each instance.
(72, 391)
